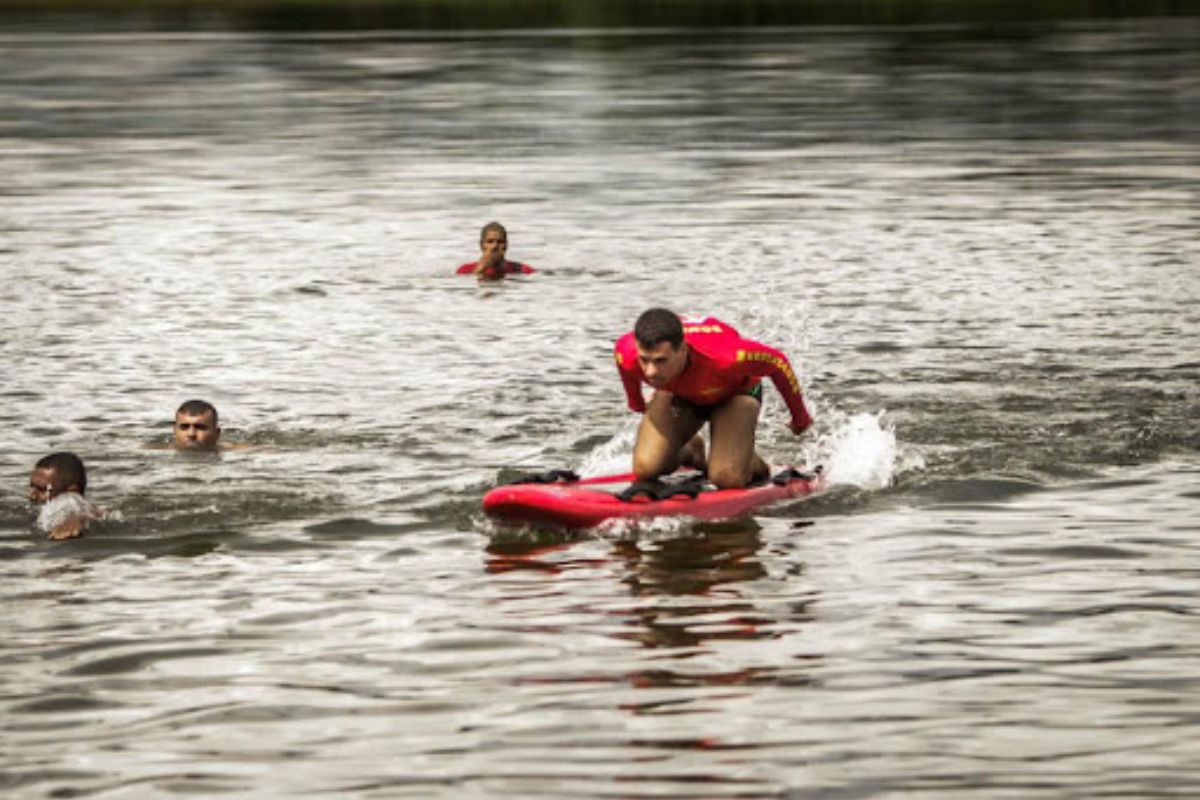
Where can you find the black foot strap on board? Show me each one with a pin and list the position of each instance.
(662, 490)
(786, 476)
(549, 476)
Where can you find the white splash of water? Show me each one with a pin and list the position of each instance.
(859, 450)
(67, 506)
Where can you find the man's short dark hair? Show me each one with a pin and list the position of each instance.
(68, 467)
(493, 226)
(658, 325)
(197, 408)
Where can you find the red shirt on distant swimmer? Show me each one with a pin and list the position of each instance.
(506, 268)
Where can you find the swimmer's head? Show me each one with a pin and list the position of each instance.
(56, 474)
(196, 426)
(493, 230)
(493, 237)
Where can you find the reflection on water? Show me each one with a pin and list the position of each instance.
(976, 243)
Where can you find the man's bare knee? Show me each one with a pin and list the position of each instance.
(645, 468)
(728, 476)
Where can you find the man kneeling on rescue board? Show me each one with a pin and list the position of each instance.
(702, 370)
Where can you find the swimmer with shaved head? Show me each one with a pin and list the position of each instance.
(196, 426)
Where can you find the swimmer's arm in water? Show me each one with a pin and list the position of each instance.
(72, 518)
(70, 528)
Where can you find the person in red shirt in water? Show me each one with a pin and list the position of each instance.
(492, 265)
(702, 370)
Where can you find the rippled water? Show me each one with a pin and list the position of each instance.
(979, 247)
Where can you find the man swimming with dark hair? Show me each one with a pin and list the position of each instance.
(196, 426)
(492, 265)
(62, 479)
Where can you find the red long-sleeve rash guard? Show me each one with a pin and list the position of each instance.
(510, 268)
(720, 365)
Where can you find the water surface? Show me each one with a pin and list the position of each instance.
(978, 247)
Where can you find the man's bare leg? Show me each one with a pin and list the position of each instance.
(692, 454)
(662, 435)
(732, 460)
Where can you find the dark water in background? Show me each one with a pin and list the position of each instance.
(979, 247)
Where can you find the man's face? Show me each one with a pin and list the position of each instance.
(494, 242)
(45, 484)
(661, 363)
(196, 431)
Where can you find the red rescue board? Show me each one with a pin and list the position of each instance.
(590, 501)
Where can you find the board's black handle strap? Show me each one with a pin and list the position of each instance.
(786, 476)
(647, 489)
(549, 476)
(657, 490)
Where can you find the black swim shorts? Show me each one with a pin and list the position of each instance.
(704, 411)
